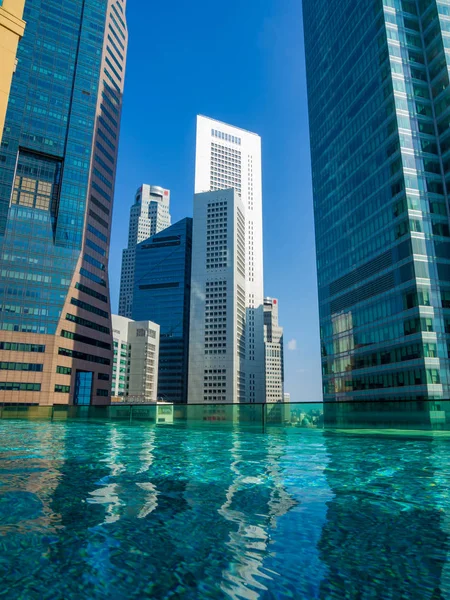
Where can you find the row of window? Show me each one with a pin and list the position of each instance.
(92, 276)
(16, 366)
(9, 386)
(18, 347)
(89, 307)
(86, 323)
(62, 389)
(87, 290)
(83, 356)
(76, 337)
(225, 136)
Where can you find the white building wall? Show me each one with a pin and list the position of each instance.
(139, 342)
(120, 337)
(216, 353)
(143, 344)
(229, 157)
(149, 215)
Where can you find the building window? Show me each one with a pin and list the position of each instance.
(83, 388)
(64, 370)
(9, 386)
(62, 389)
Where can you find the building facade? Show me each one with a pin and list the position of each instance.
(162, 294)
(378, 90)
(229, 157)
(57, 171)
(217, 353)
(12, 27)
(274, 352)
(148, 216)
(136, 356)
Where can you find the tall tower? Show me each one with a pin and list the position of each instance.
(274, 352)
(229, 157)
(162, 294)
(148, 216)
(57, 171)
(378, 90)
(217, 349)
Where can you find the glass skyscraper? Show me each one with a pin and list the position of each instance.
(57, 170)
(162, 289)
(379, 110)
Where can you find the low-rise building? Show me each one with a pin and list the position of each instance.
(136, 360)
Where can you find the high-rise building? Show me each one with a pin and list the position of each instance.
(162, 294)
(229, 157)
(274, 352)
(57, 170)
(217, 351)
(12, 27)
(136, 355)
(148, 216)
(378, 89)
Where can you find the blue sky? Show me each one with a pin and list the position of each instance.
(242, 63)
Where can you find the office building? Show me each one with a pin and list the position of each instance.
(378, 90)
(57, 170)
(148, 216)
(274, 352)
(229, 158)
(12, 27)
(217, 354)
(162, 288)
(135, 364)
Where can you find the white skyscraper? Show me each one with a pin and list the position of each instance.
(273, 340)
(148, 215)
(227, 249)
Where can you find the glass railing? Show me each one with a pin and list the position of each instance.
(417, 415)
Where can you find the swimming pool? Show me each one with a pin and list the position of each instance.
(123, 510)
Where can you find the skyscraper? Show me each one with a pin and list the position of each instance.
(162, 294)
(217, 349)
(378, 89)
(57, 170)
(229, 157)
(274, 352)
(148, 216)
(11, 31)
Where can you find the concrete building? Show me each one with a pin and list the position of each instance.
(148, 216)
(136, 356)
(379, 91)
(162, 294)
(217, 349)
(274, 352)
(228, 158)
(58, 160)
(12, 28)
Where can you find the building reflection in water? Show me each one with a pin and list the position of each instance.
(386, 535)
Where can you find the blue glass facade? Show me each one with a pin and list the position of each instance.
(379, 98)
(57, 184)
(162, 287)
(48, 129)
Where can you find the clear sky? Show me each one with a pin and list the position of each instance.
(241, 62)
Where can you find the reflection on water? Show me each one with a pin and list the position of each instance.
(130, 511)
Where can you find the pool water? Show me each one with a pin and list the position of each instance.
(125, 511)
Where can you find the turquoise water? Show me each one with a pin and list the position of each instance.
(124, 511)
